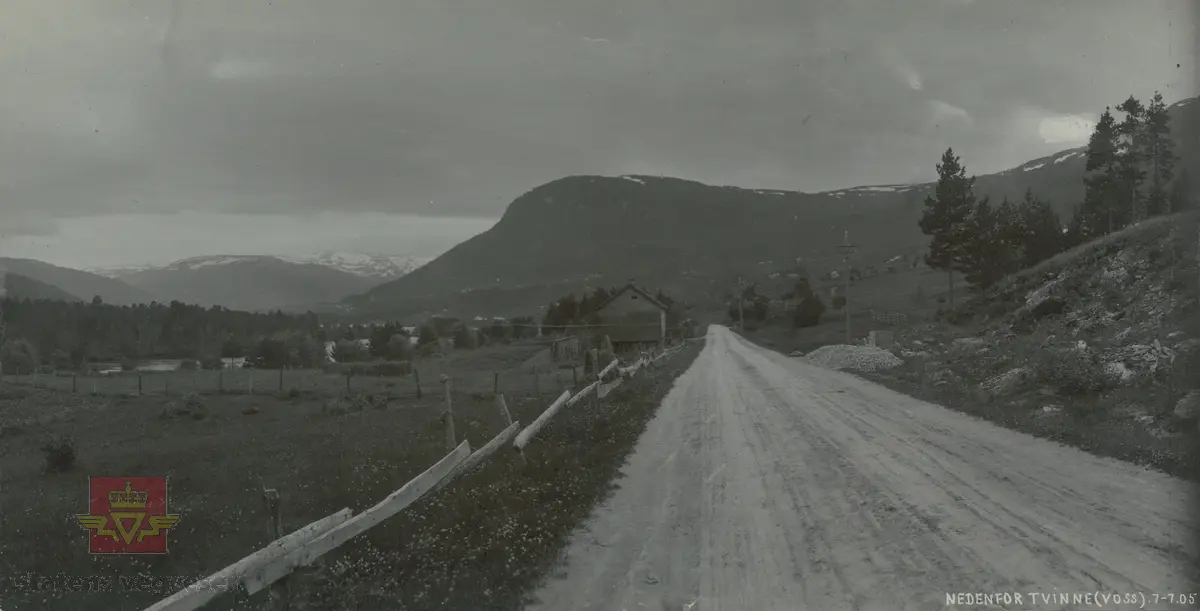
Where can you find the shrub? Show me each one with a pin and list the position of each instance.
(128, 365)
(189, 365)
(19, 356)
(1070, 372)
(399, 348)
(60, 454)
(466, 338)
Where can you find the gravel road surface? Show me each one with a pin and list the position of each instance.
(770, 484)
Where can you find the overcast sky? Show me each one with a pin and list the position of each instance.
(150, 130)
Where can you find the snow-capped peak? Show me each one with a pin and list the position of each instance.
(366, 265)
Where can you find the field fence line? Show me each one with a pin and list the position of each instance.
(280, 558)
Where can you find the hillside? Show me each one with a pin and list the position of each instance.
(1097, 347)
(16, 286)
(77, 284)
(690, 238)
(250, 283)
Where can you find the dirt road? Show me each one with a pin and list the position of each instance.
(768, 484)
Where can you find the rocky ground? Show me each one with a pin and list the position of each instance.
(1098, 347)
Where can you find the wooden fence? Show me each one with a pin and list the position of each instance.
(271, 381)
(272, 564)
(891, 318)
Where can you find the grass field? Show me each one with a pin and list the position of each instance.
(481, 543)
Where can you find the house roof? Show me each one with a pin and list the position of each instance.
(632, 287)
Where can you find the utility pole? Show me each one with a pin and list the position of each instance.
(741, 314)
(847, 250)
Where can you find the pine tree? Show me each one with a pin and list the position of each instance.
(1183, 196)
(986, 257)
(1010, 232)
(1160, 155)
(1042, 235)
(1075, 231)
(1131, 161)
(945, 216)
(1100, 181)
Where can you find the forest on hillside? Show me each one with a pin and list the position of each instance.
(1130, 177)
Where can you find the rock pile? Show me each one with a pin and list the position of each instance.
(854, 358)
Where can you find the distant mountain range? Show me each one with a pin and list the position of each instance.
(382, 267)
(16, 286)
(261, 282)
(239, 282)
(81, 284)
(691, 239)
(695, 240)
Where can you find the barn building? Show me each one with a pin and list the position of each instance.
(633, 319)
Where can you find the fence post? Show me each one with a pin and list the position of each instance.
(495, 382)
(574, 376)
(280, 380)
(417, 377)
(166, 384)
(280, 592)
(139, 383)
(348, 374)
(221, 379)
(502, 405)
(251, 382)
(74, 383)
(448, 416)
(537, 386)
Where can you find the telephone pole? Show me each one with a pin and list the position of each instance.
(847, 251)
(741, 312)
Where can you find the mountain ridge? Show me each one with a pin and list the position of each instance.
(576, 231)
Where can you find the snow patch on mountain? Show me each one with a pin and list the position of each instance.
(210, 261)
(1067, 156)
(366, 265)
(385, 267)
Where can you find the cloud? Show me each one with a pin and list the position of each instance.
(239, 108)
(1066, 129)
(240, 69)
(945, 111)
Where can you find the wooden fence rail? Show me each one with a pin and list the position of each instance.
(224, 580)
(282, 564)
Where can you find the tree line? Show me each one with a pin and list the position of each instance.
(70, 335)
(805, 309)
(1129, 177)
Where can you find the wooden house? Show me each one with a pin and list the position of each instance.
(632, 319)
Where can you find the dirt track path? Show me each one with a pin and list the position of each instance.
(768, 484)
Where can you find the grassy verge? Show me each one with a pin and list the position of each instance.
(485, 542)
(1097, 424)
(479, 544)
